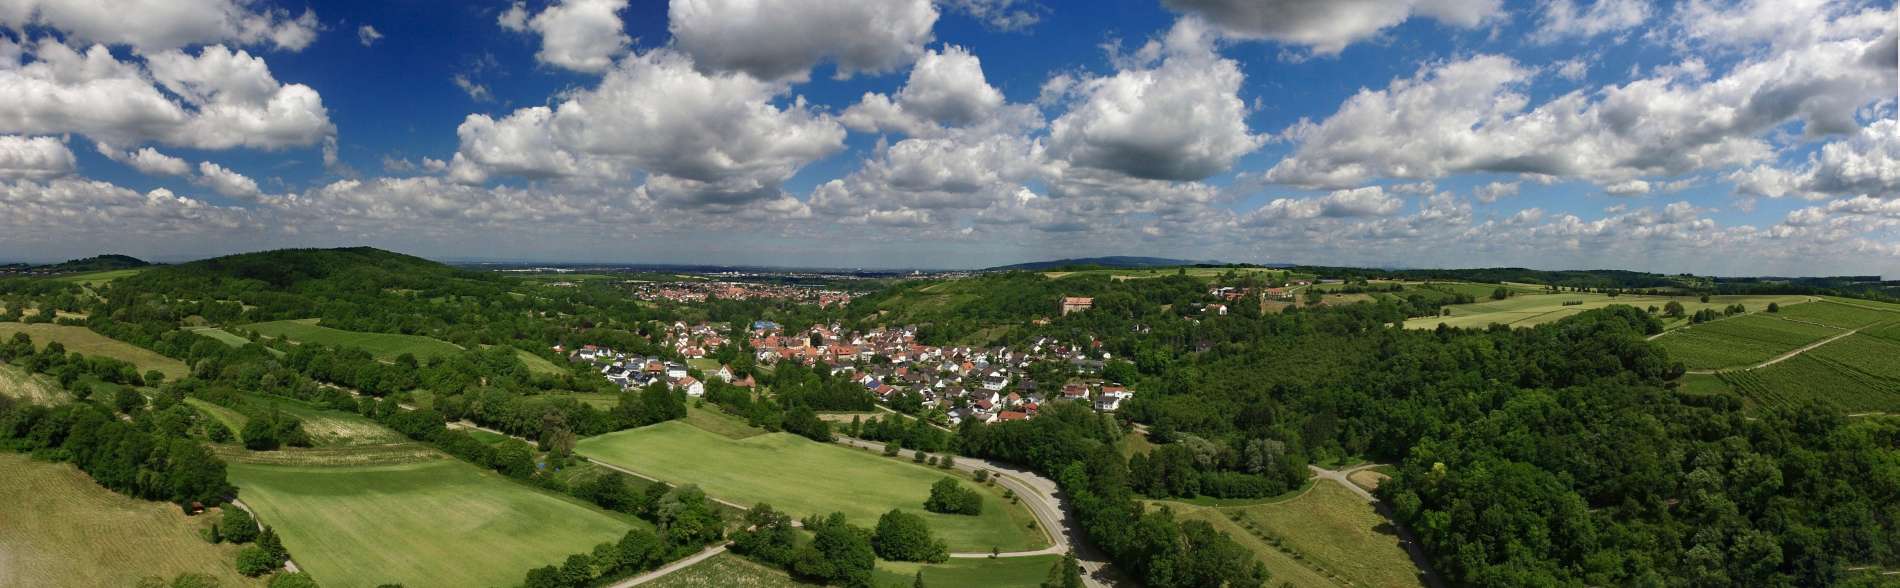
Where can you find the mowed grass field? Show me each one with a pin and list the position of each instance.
(1527, 310)
(384, 346)
(58, 528)
(438, 523)
(83, 340)
(804, 477)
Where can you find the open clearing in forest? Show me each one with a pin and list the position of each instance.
(384, 346)
(1334, 532)
(1525, 310)
(223, 336)
(536, 364)
(437, 523)
(59, 528)
(82, 340)
(804, 477)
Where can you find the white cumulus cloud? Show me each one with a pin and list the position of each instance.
(785, 39)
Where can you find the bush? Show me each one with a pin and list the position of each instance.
(902, 536)
(949, 497)
(237, 526)
(982, 475)
(253, 561)
(890, 450)
(947, 462)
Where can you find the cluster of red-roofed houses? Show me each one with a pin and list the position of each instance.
(987, 384)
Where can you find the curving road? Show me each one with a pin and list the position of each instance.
(1042, 497)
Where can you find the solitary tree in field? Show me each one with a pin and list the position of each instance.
(1673, 309)
(1772, 307)
(1500, 293)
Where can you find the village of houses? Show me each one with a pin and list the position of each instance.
(987, 384)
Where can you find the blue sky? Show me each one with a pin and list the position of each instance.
(1708, 136)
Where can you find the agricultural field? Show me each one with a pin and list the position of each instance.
(1855, 375)
(1741, 341)
(1845, 315)
(83, 340)
(17, 384)
(803, 477)
(1535, 309)
(1333, 530)
(383, 346)
(437, 523)
(1002, 572)
(58, 528)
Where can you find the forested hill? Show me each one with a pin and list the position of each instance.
(357, 288)
(111, 261)
(288, 269)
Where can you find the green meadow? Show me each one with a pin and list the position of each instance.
(804, 477)
(436, 523)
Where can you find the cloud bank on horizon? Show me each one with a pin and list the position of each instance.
(1708, 136)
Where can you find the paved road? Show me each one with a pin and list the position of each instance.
(1406, 539)
(672, 567)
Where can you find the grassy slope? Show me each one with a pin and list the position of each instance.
(727, 570)
(223, 336)
(83, 340)
(440, 523)
(537, 364)
(59, 528)
(1282, 567)
(35, 388)
(711, 419)
(1336, 530)
(384, 346)
(803, 477)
